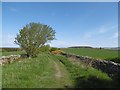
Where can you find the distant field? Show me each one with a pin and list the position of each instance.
(12, 53)
(95, 53)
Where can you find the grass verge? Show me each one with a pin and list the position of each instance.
(87, 77)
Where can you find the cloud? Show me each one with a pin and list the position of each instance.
(115, 35)
(99, 31)
(8, 40)
(102, 36)
(88, 39)
(63, 43)
(59, 43)
(13, 9)
(88, 35)
(103, 30)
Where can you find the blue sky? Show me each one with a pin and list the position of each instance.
(88, 23)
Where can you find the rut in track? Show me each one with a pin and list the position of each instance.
(58, 71)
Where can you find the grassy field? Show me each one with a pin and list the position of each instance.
(50, 71)
(41, 72)
(12, 53)
(95, 53)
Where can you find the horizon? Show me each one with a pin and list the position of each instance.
(67, 47)
(76, 24)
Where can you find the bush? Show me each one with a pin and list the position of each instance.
(53, 49)
(44, 48)
(56, 52)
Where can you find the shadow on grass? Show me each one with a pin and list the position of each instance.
(94, 82)
(24, 55)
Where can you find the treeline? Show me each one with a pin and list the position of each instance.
(80, 47)
(10, 49)
(41, 49)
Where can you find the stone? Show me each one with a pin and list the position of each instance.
(9, 59)
(109, 67)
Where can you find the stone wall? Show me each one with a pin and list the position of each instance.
(8, 59)
(103, 65)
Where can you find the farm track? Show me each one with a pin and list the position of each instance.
(61, 74)
(58, 71)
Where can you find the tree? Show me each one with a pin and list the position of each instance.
(33, 36)
(44, 48)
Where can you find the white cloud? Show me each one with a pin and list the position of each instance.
(98, 31)
(103, 36)
(115, 35)
(63, 43)
(13, 9)
(59, 43)
(8, 40)
(88, 35)
(103, 30)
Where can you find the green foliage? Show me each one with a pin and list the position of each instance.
(33, 36)
(53, 49)
(44, 48)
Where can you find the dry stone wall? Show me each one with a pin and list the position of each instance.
(103, 65)
(8, 59)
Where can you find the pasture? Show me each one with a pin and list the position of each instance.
(12, 53)
(43, 71)
(52, 71)
(93, 52)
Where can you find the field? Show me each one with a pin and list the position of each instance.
(92, 52)
(43, 71)
(52, 71)
(12, 53)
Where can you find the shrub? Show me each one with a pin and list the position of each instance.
(44, 48)
(56, 52)
(53, 49)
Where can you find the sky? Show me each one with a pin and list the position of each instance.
(76, 23)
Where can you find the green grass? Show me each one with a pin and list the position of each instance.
(41, 72)
(95, 53)
(12, 53)
(37, 72)
(87, 77)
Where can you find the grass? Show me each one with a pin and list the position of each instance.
(95, 53)
(37, 72)
(50, 71)
(12, 53)
(87, 77)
